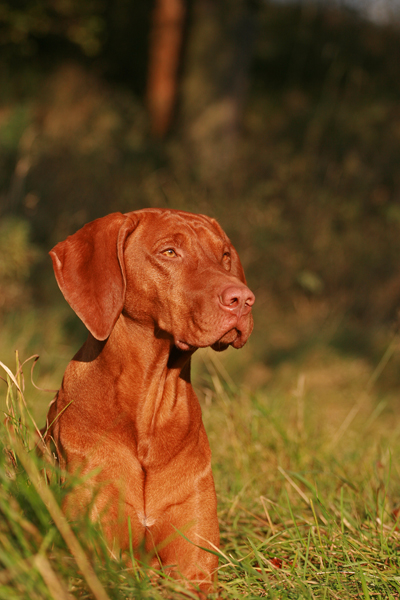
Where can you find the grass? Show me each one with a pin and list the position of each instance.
(308, 491)
(305, 460)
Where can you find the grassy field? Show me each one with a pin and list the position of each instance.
(307, 481)
(305, 447)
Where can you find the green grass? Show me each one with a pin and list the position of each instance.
(308, 488)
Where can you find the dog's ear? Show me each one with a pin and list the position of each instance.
(90, 271)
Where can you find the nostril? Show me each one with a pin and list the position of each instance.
(237, 298)
(250, 300)
(227, 299)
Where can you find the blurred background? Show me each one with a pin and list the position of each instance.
(281, 119)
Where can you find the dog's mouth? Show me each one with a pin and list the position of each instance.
(232, 337)
(228, 339)
(184, 346)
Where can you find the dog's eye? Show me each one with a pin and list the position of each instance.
(226, 260)
(170, 253)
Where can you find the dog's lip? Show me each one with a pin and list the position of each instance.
(228, 338)
(184, 346)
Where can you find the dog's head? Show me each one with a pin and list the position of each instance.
(172, 270)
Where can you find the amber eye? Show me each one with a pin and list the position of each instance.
(226, 260)
(170, 253)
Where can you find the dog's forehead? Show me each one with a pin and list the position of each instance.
(158, 224)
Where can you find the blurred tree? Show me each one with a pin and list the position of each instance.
(141, 42)
(164, 57)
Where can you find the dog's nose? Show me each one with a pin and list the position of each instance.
(237, 299)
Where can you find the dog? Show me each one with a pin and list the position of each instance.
(151, 286)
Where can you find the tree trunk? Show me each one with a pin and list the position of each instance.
(165, 48)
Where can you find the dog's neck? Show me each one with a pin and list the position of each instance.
(136, 346)
(144, 373)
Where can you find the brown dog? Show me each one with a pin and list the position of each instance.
(151, 286)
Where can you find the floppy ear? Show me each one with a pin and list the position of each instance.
(90, 271)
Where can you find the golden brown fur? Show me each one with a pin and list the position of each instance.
(151, 286)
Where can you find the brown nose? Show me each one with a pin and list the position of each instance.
(237, 299)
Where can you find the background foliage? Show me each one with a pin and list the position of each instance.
(297, 158)
(286, 128)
